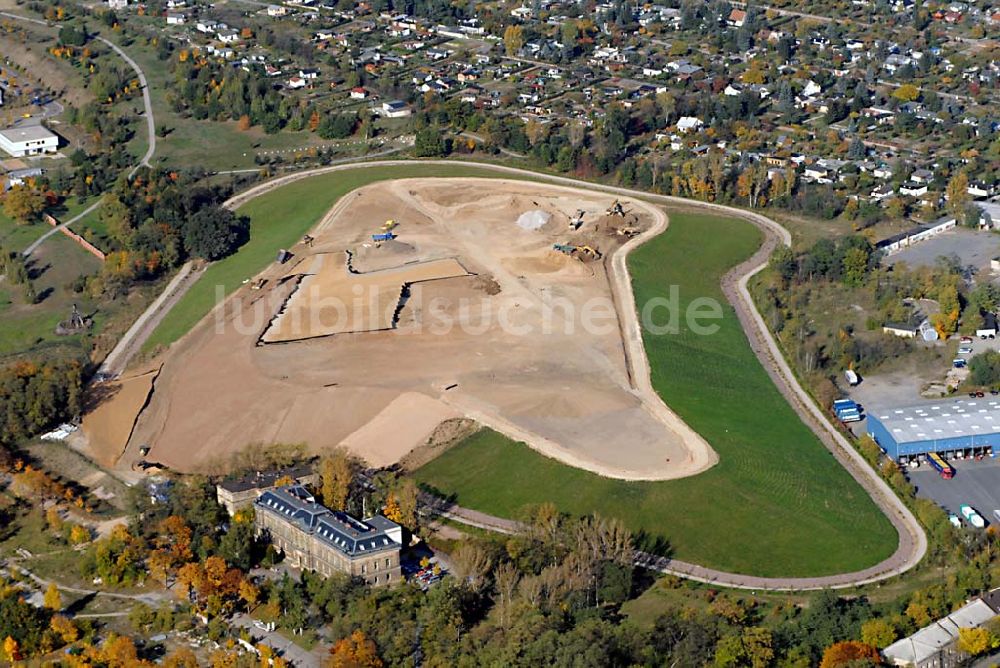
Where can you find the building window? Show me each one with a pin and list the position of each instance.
(388, 576)
(363, 570)
(374, 565)
(388, 563)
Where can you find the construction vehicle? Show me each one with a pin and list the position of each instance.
(570, 249)
(258, 284)
(627, 232)
(592, 252)
(308, 240)
(577, 221)
(616, 209)
(384, 236)
(565, 248)
(389, 224)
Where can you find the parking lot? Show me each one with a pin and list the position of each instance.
(975, 483)
(973, 247)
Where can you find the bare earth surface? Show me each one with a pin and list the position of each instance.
(530, 342)
(108, 425)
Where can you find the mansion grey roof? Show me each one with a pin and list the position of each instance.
(295, 505)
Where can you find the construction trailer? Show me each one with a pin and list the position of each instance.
(384, 236)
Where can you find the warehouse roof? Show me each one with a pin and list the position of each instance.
(26, 133)
(928, 641)
(944, 419)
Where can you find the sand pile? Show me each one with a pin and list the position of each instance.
(533, 220)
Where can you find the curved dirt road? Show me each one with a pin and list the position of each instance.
(150, 130)
(912, 540)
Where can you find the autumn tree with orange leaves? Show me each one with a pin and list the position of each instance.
(842, 654)
(355, 651)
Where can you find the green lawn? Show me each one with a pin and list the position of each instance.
(278, 220)
(776, 504)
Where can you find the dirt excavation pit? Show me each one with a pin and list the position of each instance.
(332, 298)
(486, 320)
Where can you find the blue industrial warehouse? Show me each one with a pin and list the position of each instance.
(967, 426)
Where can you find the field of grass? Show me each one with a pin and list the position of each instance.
(776, 504)
(278, 220)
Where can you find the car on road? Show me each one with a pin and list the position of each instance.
(964, 350)
(966, 339)
(954, 519)
(25, 115)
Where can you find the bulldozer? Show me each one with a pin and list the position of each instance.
(616, 209)
(576, 222)
(389, 224)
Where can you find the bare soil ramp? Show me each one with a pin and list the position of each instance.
(109, 423)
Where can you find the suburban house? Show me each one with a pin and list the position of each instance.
(326, 541)
(237, 493)
(176, 18)
(395, 109)
(913, 189)
(689, 123)
(936, 645)
(29, 140)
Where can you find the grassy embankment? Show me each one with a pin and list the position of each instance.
(776, 504)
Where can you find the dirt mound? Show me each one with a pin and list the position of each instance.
(486, 344)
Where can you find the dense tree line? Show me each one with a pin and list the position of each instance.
(156, 220)
(36, 395)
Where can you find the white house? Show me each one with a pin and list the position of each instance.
(689, 123)
(276, 10)
(913, 189)
(395, 109)
(227, 36)
(296, 82)
(117, 4)
(176, 18)
(206, 26)
(30, 140)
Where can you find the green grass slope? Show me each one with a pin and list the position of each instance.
(777, 504)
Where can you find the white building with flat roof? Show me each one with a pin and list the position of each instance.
(29, 140)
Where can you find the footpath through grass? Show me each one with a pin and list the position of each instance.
(278, 220)
(777, 504)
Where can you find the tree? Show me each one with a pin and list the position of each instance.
(855, 266)
(65, 628)
(844, 654)
(23, 203)
(906, 93)
(355, 651)
(52, 599)
(336, 475)
(878, 632)
(958, 196)
(11, 649)
(976, 641)
(214, 232)
(429, 143)
(513, 39)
